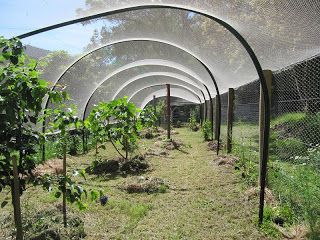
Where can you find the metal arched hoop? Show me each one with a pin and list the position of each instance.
(144, 63)
(266, 130)
(153, 74)
(130, 97)
(150, 96)
(141, 39)
(136, 78)
(159, 84)
(160, 41)
(153, 62)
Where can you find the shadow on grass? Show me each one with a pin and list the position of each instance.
(111, 169)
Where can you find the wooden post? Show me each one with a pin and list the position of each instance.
(154, 105)
(155, 110)
(211, 117)
(64, 192)
(201, 114)
(205, 110)
(168, 112)
(16, 200)
(268, 76)
(83, 141)
(217, 119)
(230, 119)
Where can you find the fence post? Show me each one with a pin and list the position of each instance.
(83, 140)
(168, 112)
(201, 114)
(263, 172)
(16, 200)
(211, 117)
(205, 111)
(64, 192)
(154, 105)
(230, 119)
(268, 76)
(217, 118)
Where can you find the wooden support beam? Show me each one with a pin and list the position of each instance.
(205, 105)
(154, 105)
(263, 165)
(230, 119)
(217, 118)
(211, 117)
(168, 112)
(16, 200)
(200, 113)
(268, 76)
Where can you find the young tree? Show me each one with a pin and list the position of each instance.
(95, 123)
(123, 130)
(148, 118)
(21, 97)
(64, 120)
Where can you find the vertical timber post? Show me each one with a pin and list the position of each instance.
(230, 119)
(201, 113)
(263, 172)
(205, 110)
(168, 111)
(217, 119)
(44, 142)
(16, 200)
(83, 140)
(64, 192)
(211, 117)
(154, 106)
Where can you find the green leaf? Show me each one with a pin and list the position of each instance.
(43, 83)
(94, 195)
(4, 203)
(57, 194)
(82, 173)
(82, 206)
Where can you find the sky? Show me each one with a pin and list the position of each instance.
(21, 16)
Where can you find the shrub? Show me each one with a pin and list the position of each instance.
(207, 131)
(193, 125)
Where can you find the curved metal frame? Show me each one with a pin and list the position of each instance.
(152, 74)
(151, 62)
(245, 44)
(175, 96)
(158, 74)
(150, 40)
(183, 87)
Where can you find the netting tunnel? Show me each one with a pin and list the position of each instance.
(201, 48)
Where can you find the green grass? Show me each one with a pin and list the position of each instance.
(204, 200)
(288, 118)
(293, 172)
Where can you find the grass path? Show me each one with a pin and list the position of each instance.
(205, 201)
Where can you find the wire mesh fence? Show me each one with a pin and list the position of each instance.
(294, 156)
